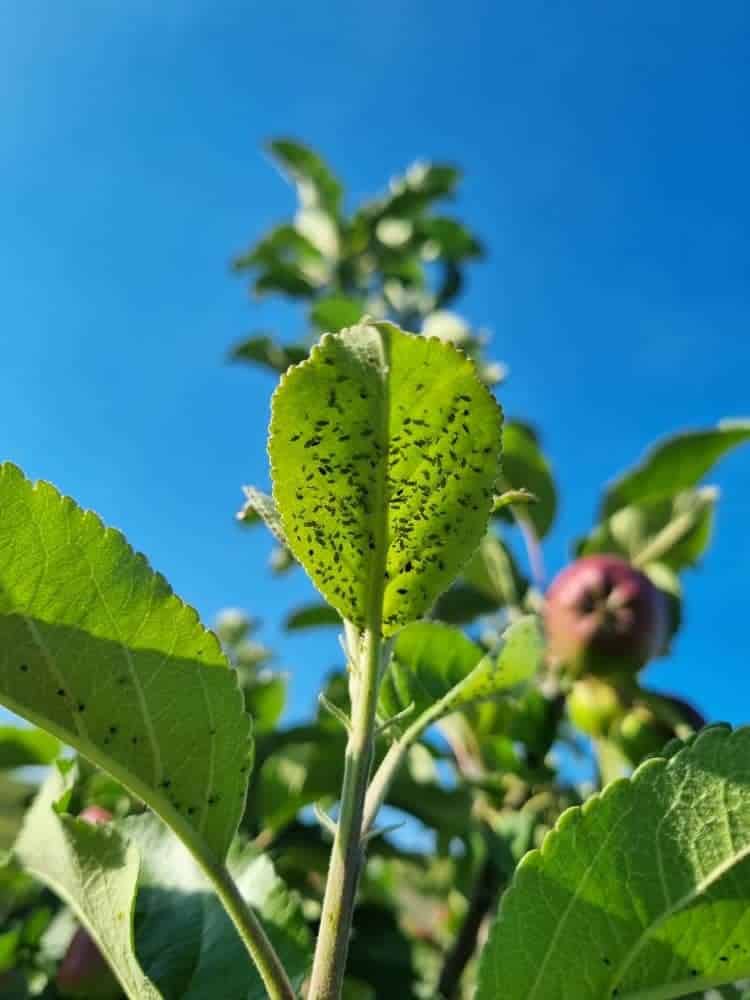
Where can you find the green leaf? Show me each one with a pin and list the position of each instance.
(451, 238)
(428, 660)
(96, 649)
(411, 193)
(675, 464)
(311, 616)
(185, 940)
(334, 312)
(526, 468)
(285, 278)
(93, 869)
(303, 772)
(264, 350)
(283, 245)
(640, 894)
(25, 747)
(384, 452)
(317, 185)
(436, 667)
(265, 698)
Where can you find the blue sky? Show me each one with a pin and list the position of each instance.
(606, 154)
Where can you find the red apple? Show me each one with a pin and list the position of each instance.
(603, 616)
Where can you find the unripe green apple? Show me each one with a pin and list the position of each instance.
(641, 733)
(593, 706)
(603, 616)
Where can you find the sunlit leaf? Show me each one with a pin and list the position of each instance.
(384, 451)
(653, 875)
(96, 649)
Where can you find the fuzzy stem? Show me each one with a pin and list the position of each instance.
(347, 854)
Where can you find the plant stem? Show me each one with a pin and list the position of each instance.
(348, 851)
(251, 931)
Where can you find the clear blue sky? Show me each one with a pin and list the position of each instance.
(607, 160)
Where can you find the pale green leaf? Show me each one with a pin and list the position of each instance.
(264, 350)
(518, 660)
(511, 497)
(260, 505)
(96, 649)
(93, 869)
(641, 894)
(23, 747)
(384, 453)
(675, 464)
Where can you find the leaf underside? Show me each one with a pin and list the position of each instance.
(641, 893)
(384, 452)
(185, 940)
(96, 648)
(93, 869)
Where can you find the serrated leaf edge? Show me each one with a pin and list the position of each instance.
(592, 805)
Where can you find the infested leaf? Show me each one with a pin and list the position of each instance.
(384, 451)
(96, 649)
